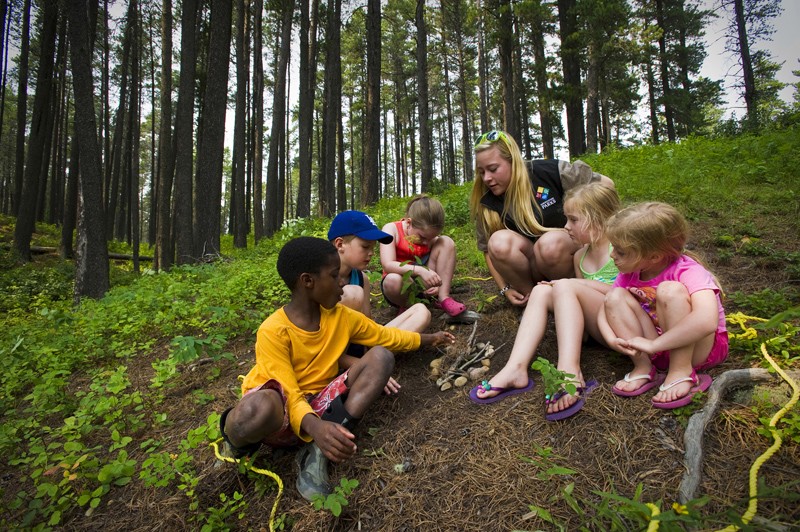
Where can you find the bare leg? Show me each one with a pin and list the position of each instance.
(529, 335)
(392, 289)
(443, 262)
(673, 304)
(416, 319)
(256, 416)
(627, 319)
(366, 379)
(513, 257)
(553, 253)
(353, 297)
(575, 309)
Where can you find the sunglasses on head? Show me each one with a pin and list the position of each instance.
(491, 136)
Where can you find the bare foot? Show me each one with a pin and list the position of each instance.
(567, 400)
(507, 378)
(638, 377)
(675, 386)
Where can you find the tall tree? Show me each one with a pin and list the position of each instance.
(184, 127)
(26, 217)
(211, 134)
(166, 159)
(238, 216)
(22, 105)
(274, 209)
(305, 119)
(258, 119)
(751, 22)
(91, 268)
(370, 185)
(570, 59)
(426, 159)
(331, 102)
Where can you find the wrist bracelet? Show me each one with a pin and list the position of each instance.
(505, 289)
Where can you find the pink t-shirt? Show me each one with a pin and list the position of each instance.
(686, 271)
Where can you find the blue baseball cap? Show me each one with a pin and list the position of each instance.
(357, 223)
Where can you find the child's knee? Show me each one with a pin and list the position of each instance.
(256, 409)
(381, 359)
(616, 296)
(671, 291)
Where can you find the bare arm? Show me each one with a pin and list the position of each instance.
(514, 296)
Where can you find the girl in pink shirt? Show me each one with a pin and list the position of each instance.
(664, 309)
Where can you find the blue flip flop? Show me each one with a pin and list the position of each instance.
(575, 407)
(502, 392)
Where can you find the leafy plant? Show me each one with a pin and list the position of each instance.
(336, 500)
(554, 379)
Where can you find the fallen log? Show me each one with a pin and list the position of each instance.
(693, 437)
(44, 250)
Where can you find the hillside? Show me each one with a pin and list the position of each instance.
(109, 408)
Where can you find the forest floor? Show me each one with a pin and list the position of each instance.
(470, 466)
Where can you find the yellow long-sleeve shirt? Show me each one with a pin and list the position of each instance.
(304, 362)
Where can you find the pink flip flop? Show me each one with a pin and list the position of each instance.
(451, 306)
(701, 383)
(653, 379)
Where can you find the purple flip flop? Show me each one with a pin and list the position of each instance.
(502, 392)
(573, 409)
(701, 383)
(653, 379)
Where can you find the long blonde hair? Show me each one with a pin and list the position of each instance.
(519, 204)
(596, 203)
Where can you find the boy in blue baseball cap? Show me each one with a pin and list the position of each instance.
(355, 234)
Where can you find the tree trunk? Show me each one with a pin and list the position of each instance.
(258, 120)
(331, 104)
(166, 158)
(134, 127)
(483, 73)
(24, 228)
(307, 82)
(748, 78)
(664, 60)
(505, 38)
(651, 98)
(91, 267)
(239, 225)
(212, 135)
(371, 180)
(592, 99)
(22, 106)
(274, 206)
(426, 161)
(542, 88)
(570, 58)
(184, 127)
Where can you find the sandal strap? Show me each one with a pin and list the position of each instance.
(627, 378)
(666, 386)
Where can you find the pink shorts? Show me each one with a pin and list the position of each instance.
(319, 402)
(718, 354)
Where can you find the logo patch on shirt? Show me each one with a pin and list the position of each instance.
(542, 193)
(546, 204)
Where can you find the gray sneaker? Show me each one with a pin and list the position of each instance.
(312, 475)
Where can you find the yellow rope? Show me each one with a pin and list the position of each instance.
(266, 472)
(750, 333)
(654, 511)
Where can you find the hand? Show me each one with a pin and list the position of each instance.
(639, 345)
(336, 442)
(620, 345)
(392, 387)
(516, 298)
(443, 337)
(429, 278)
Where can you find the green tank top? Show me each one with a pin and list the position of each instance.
(606, 274)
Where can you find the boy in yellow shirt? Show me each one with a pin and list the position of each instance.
(293, 394)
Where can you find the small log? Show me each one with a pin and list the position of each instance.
(693, 437)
